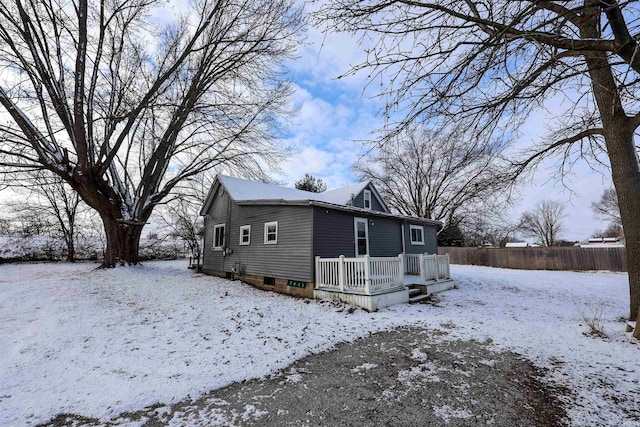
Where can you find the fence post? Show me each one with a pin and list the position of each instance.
(423, 269)
(367, 274)
(317, 272)
(341, 278)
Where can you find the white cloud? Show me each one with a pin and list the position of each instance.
(335, 113)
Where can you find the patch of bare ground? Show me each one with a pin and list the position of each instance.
(403, 377)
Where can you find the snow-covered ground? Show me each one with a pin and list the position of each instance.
(98, 343)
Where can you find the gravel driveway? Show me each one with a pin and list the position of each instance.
(404, 377)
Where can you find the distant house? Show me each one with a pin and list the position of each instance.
(604, 242)
(272, 236)
(521, 245)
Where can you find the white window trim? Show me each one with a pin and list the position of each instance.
(416, 227)
(367, 193)
(266, 227)
(364, 221)
(224, 229)
(242, 228)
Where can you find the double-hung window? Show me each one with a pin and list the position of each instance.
(367, 199)
(271, 233)
(245, 235)
(218, 236)
(417, 234)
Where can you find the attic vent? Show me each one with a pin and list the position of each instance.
(221, 191)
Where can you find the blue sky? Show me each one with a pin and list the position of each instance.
(335, 113)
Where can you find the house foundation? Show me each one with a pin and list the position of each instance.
(275, 284)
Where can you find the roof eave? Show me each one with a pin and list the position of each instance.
(375, 213)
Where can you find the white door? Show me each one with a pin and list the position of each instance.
(361, 229)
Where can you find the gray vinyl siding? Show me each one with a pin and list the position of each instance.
(385, 238)
(358, 201)
(333, 233)
(430, 240)
(290, 258)
(303, 232)
(213, 259)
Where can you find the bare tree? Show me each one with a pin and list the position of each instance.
(123, 106)
(434, 176)
(488, 227)
(49, 207)
(311, 183)
(607, 208)
(544, 222)
(612, 230)
(486, 65)
(28, 221)
(5, 226)
(180, 219)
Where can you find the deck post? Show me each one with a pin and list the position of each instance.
(447, 269)
(367, 276)
(423, 270)
(317, 272)
(436, 262)
(401, 272)
(341, 278)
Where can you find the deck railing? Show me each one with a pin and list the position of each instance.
(364, 275)
(372, 275)
(411, 264)
(434, 267)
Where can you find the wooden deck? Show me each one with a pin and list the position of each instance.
(375, 282)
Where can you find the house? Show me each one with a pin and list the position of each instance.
(604, 242)
(279, 238)
(521, 245)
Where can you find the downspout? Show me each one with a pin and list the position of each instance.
(313, 245)
(227, 230)
(404, 247)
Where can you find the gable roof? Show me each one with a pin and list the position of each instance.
(245, 191)
(242, 190)
(344, 195)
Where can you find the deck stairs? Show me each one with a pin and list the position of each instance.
(417, 293)
(420, 292)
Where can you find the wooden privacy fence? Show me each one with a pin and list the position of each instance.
(561, 258)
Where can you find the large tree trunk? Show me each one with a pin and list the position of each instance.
(123, 241)
(122, 235)
(618, 131)
(627, 184)
(71, 250)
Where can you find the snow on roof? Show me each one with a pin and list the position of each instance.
(521, 245)
(342, 196)
(244, 190)
(604, 240)
(603, 245)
